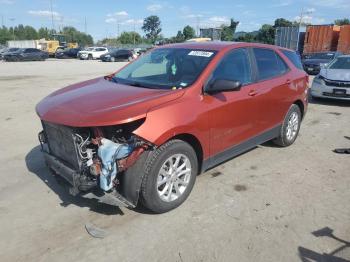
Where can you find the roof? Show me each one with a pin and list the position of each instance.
(216, 45)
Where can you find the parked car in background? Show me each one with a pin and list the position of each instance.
(118, 54)
(26, 54)
(312, 62)
(333, 80)
(68, 53)
(7, 50)
(92, 53)
(149, 129)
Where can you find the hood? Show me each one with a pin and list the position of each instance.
(99, 102)
(336, 74)
(315, 61)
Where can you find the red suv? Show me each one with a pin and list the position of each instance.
(146, 131)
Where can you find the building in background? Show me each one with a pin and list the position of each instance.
(213, 33)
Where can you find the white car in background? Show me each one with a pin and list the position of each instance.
(334, 80)
(92, 53)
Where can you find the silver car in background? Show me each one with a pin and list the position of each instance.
(334, 80)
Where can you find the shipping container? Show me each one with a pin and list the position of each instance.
(291, 37)
(23, 43)
(344, 39)
(321, 38)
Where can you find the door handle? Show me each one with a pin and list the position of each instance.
(252, 92)
(288, 82)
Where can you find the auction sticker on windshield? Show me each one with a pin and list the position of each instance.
(201, 53)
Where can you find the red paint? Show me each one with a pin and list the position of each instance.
(217, 121)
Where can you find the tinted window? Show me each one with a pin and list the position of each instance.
(29, 50)
(340, 63)
(235, 66)
(100, 49)
(269, 63)
(294, 58)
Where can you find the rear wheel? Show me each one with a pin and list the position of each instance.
(290, 127)
(170, 175)
(90, 57)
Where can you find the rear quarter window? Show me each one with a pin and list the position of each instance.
(294, 58)
(269, 63)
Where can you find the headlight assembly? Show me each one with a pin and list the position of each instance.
(319, 80)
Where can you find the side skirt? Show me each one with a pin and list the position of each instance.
(240, 148)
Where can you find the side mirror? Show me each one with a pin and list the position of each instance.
(222, 85)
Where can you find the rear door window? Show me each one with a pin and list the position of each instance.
(269, 63)
(293, 57)
(235, 66)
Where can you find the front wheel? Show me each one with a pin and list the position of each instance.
(170, 175)
(290, 127)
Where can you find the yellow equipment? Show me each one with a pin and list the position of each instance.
(58, 42)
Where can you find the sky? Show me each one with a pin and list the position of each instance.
(106, 18)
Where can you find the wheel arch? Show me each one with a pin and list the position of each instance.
(194, 142)
(301, 106)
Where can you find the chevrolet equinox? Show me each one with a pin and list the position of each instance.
(144, 133)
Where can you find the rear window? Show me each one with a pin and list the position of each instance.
(294, 58)
(269, 63)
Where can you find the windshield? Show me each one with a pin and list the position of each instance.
(166, 68)
(340, 63)
(326, 56)
(89, 49)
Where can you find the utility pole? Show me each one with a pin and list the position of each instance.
(13, 27)
(198, 22)
(134, 31)
(2, 20)
(307, 12)
(53, 25)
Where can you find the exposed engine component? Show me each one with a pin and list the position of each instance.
(94, 156)
(109, 152)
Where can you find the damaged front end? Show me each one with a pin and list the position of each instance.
(93, 159)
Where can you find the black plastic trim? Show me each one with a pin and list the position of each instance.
(241, 148)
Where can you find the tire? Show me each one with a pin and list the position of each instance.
(130, 58)
(151, 195)
(112, 59)
(290, 128)
(90, 57)
(315, 98)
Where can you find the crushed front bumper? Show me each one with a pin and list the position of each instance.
(90, 191)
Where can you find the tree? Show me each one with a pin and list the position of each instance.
(73, 35)
(228, 31)
(248, 37)
(43, 32)
(5, 35)
(179, 37)
(129, 38)
(344, 21)
(281, 22)
(30, 33)
(151, 26)
(266, 34)
(188, 32)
